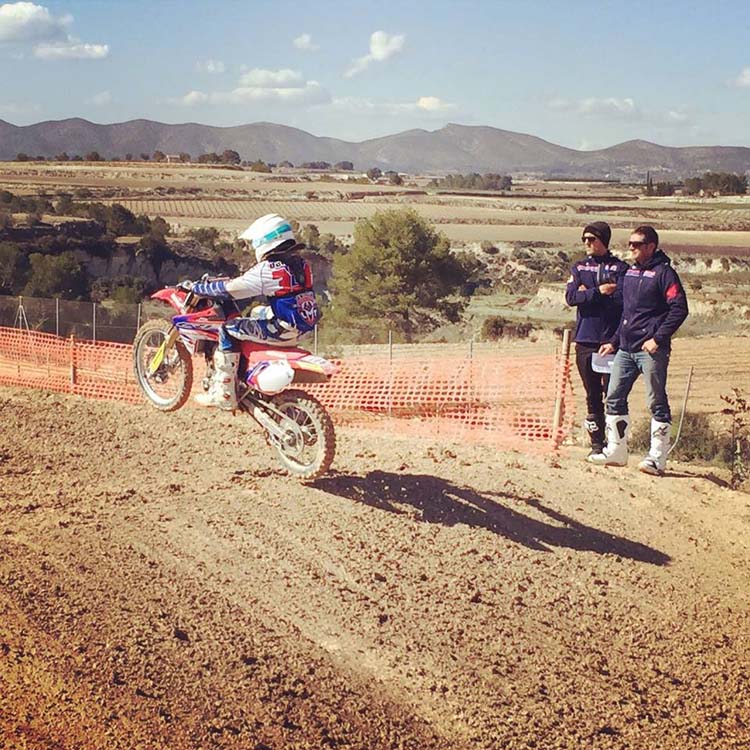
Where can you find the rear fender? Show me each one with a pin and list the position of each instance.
(307, 367)
(312, 369)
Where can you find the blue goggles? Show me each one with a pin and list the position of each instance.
(283, 229)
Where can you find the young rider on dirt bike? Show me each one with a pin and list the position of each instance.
(285, 279)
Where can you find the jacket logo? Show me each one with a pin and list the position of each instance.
(672, 292)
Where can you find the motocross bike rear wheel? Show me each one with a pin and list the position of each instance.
(168, 386)
(309, 443)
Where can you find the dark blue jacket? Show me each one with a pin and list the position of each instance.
(654, 304)
(598, 315)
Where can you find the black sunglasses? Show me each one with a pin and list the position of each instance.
(589, 238)
(637, 245)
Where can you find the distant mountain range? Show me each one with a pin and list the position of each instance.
(453, 148)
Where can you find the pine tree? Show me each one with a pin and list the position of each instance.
(399, 272)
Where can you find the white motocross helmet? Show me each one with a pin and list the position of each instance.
(267, 233)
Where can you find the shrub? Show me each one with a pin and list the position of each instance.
(497, 327)
(698, 440)
(206, 236)
(738, 454)
(489, 248)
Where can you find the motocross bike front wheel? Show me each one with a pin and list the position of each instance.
(163, 368)
(308, 445)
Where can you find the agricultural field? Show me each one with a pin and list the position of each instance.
(192, 195)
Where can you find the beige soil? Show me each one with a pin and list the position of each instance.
(163, 585)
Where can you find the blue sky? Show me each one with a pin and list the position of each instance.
(581, 74)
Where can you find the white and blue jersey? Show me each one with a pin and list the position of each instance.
(286, 282)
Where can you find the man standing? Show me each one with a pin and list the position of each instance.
(595, 290)
(655, 306)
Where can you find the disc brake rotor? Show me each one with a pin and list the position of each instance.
(296, 436)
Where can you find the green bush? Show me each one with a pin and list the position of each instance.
(56, 276)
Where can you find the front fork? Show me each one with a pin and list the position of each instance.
(171, 339)
(161, 352)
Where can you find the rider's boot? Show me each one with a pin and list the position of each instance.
(223, 389)
(615, 453)
(594, 424)
(656, 460)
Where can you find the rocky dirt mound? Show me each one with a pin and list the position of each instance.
(163, 585)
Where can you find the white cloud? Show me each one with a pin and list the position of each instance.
(12, 108)
(742, 80)
(26, 22)
(260, 85)
(311, 92)
(425, 106)
(192, 98)
(101, 99)
(561, 104)
(620, 109)
(609, 106)
(382, 46)
(210, 66)
(71, 50)
(271, 79)
(677, 117)
(305, 42)
(433, 104)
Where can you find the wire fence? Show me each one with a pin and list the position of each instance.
(92, 321)
(119, 322)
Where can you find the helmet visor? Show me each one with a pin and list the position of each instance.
(278, 232)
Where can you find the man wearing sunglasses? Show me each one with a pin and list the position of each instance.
(655, 306)
(595, 290)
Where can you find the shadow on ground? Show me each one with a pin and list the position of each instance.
(439, 501)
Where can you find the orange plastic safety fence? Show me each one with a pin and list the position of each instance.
(508, 400)
(85, 368)
(502, 399)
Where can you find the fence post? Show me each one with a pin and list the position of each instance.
(93, 322)
(138, 318)
(72, 361)
(390, 373)
(57, 316)
(562, 370)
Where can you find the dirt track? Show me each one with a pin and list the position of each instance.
(164, 586)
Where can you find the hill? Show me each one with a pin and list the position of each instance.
(453, 148)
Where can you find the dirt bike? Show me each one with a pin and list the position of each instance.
(296, 424)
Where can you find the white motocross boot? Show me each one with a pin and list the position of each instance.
(656, 460)
(615, 452)
(223, 389)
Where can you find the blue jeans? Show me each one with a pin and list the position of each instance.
(625, 370)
